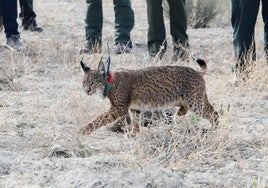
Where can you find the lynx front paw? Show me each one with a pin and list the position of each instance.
(85, 130)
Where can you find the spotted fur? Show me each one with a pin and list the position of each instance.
(148, 89)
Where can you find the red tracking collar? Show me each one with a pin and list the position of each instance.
(110, 79)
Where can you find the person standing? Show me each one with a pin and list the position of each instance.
(124, 22)
(9, 14)
(1, 22)
(178, 25)
(28, 16)
(243, 18)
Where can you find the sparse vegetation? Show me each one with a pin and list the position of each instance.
(39, 118)
(201, 13)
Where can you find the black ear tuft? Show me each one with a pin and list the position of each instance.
(84, 67)
(101, 67)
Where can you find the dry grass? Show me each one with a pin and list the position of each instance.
(39, 144)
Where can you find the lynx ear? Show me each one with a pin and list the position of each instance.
(84, 67)
(101, 67)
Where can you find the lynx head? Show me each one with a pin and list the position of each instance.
(94, 79)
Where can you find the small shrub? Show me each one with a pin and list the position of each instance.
(200, 12)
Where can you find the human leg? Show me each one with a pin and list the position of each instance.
(34, 26)
(93, 28)
(156, 32)
(28, 16)
(178, 28)
(30, 2)
(265, 20)
(27, 12)
(124, 23)
(1, 20)
(9, 15)
(243, 18)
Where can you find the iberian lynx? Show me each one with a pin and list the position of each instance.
(148, 89)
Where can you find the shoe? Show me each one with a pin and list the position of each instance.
(147, 119)
(35, 28)
(31, 25)
(1, 23)
(168, 116)
(121, 48)
(240, 66)
(155, 49)
(13, 43)
(242, 69)
(90, 48)
(181, 52)
(151, 118)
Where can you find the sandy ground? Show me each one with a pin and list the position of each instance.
(42, 105)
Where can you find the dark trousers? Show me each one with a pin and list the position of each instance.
(178, 22)
(26, 7)
(244, 16)
(8, 10)
(124, 21)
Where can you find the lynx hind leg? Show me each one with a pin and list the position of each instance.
(214, 119)
(208, 112)
(202, 107)
(182, 111)
(135, 117)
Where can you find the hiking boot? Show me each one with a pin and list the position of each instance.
(35, 28)
(181, 52)
(151, 118)
(242, 69)
(155, 49)
(1, 23)
(240, 66)
(90, 48)
(121, 48)
(31, 25)
(13, 43)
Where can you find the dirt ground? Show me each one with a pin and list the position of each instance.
(42, 105)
